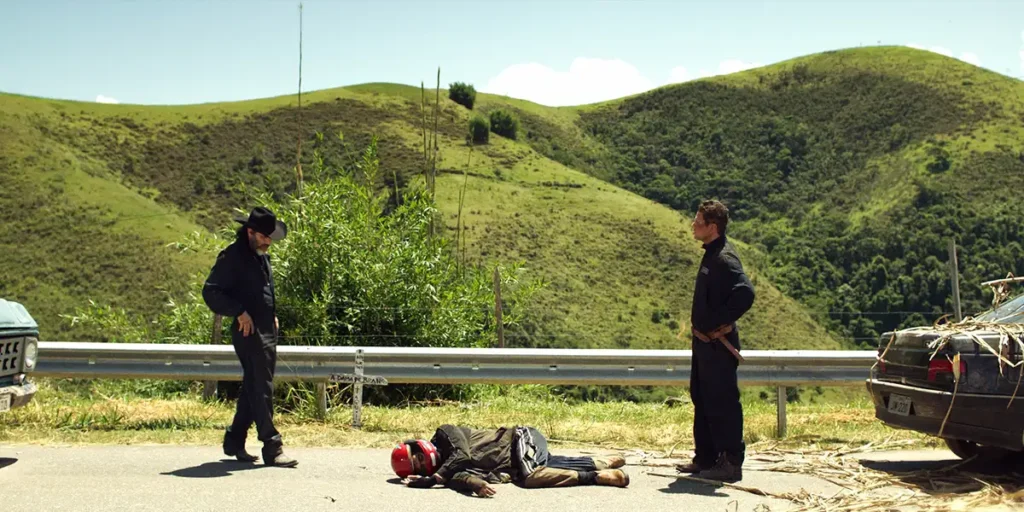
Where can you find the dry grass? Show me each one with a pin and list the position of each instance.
(865, 488)
(103, 413)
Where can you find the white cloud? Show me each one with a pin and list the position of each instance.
(971, 58)
(728, 66)
(678, 74)
(1022, 52)
(587, 81)
(934, 49)
(105, 99)
(734, 66)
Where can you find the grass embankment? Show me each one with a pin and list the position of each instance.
(105, 413)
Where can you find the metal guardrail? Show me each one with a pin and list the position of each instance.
(778, 368)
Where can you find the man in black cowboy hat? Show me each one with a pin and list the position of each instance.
(241, 285)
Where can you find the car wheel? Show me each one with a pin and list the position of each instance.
(968, 449)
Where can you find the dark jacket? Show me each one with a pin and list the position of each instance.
(472, 457)
(722, 293)
(242, 281)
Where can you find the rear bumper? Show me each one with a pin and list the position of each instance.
(983, 419)
(21, 394)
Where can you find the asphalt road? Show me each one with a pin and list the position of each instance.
(166, 478)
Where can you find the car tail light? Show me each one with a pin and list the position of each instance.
(937, 366)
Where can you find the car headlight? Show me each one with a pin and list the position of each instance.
(31, 354)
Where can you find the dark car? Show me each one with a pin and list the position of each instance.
(912, 389)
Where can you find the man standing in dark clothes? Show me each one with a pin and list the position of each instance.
(241, 285)
(721, 296)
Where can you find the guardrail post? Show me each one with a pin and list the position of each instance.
(780, 400)
(321, 399)
(210, 386)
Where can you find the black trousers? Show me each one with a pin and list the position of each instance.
(537, 467)
(545, 458)
(717, 412)
(255, 401)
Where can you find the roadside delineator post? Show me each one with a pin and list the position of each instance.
(358, 380)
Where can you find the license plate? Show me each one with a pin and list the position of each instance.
(899, 404)
(5, 403)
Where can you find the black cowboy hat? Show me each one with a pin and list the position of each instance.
(263, 221)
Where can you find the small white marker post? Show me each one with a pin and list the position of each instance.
(358, 380)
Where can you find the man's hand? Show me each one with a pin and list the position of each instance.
(275, 325)
(486, 491)
(245, 324)
(721, 331)
(420, 482)
(719, 334)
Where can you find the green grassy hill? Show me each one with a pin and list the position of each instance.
(850, 170)
(98, 192)
(847, 173)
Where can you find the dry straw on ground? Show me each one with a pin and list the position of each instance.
(954, 487)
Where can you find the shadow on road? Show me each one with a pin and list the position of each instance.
(690, 487)
(908, 466)
(953, 476)
(951, 466)
(220, 468)
(6, 461)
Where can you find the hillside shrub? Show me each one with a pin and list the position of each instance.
(504, 123)
(479, 130)
(463, 94)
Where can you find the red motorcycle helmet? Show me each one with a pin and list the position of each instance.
(401, 457)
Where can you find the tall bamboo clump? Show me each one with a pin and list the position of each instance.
(298, 143)
(431, 148)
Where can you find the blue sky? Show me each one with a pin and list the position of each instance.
(554, 52)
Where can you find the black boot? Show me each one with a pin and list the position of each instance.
(234, 447)
(273, 455)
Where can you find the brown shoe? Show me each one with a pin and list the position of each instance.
(612, 477)
(724, 471)
(612, 462)
(691, 468)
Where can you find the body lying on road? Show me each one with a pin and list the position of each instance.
(470, 460)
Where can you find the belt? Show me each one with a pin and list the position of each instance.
(719, 334)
